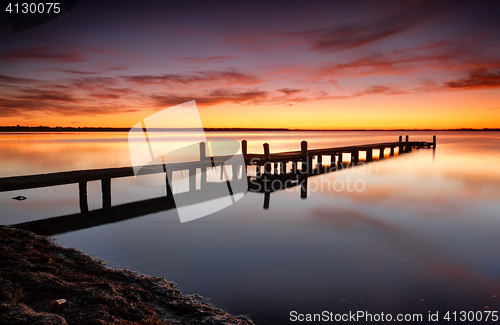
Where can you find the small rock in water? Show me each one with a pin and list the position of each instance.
(20, 198)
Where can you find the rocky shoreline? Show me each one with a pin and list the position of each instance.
(34, 271)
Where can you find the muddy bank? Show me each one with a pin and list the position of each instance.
(35, 271)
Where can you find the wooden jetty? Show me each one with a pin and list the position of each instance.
(287, 168)
(337, 155)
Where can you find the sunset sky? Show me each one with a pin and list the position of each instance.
(327, 65)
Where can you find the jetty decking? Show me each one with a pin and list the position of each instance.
(290, 168)
(305, 156)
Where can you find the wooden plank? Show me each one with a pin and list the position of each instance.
(286, 156)
(71, 177)
(327, 151)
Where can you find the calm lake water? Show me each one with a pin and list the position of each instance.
(418, 233)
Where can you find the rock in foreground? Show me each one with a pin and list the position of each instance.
(35, 271)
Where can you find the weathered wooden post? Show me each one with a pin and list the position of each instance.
(369, 154)
(332, 160)
(305, 158)
(267, 152)
(82, 187)
(408, 147)
(341, 159)
(106, 193)
(400, 144)
(381, 154)
(283, 168)
(434, 141)
(267, 159)
(355, 157)
(244, 147)
(320, 163)
(192, 179)
(294, 167)
(392, 151)
(203, 150)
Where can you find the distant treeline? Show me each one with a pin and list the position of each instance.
(41, 128)
(59, 129)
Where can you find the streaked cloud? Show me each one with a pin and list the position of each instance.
(44, 53)
(477, 79)
(197, 77)
(15, 80)
(352, 35)
(214, 97)
(210, 59)
(79, 72)
(34, 94)
(378, 89)
(289, 91)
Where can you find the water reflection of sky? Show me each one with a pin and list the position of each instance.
(424, 227)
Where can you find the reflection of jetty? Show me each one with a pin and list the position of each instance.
(120, 212)
(278, 171)
(283, 169)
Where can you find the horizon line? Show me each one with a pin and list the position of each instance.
(41, 128)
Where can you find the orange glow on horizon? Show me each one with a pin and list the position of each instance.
(437, 110)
